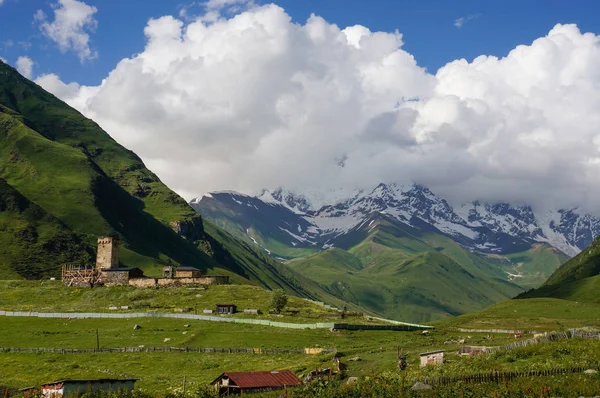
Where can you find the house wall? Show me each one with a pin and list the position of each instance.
(432, 359)
(77, 389)
(115, 278)
(188, 274)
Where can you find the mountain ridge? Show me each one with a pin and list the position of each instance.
(490, 228)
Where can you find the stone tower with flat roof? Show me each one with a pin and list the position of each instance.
(108, 253)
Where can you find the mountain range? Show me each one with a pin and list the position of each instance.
(402, 251)
(489, 228)
(397, 251)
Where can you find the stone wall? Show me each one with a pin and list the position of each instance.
(207, 280)
(108, 253)
(143, 282)
(115, 278)
(174, 282)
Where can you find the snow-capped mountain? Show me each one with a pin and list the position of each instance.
(303, 220)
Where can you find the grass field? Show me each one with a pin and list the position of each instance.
(363, 353)
(52, 296)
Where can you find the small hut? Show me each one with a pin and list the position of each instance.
(226, 309)
(432, 357)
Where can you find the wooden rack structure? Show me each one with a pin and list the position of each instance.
(76, 275)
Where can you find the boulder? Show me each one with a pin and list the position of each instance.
(418, 386)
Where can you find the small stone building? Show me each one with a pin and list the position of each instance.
(187, 272)
(236, 383)
(75, 388)
(226, 309)
(432, 357)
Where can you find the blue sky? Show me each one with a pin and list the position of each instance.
(428, 26)
(233, 101)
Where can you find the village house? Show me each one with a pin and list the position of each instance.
(432, 357)
(226, 309)
(235, 383)
(187, 272)
(74, 388)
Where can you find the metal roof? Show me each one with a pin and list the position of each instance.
(187, 269)
(79, 381)
(276, 378)
(431, 352)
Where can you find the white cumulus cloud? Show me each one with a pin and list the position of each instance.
(256, 101)
(70, 30)
(25, 66)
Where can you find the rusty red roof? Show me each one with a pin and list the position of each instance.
(276, 378)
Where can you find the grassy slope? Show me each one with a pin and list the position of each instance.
(31, 238)
(586, 264)
(577, 279)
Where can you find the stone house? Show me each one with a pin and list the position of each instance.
(432, 357)
(187, 272)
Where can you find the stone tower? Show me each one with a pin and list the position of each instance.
(108, 253)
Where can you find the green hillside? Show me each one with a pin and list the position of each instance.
(394, 272)
(64, 182)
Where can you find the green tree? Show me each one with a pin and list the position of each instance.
(279, 300)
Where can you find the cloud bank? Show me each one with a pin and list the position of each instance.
(256, 100)
(73, 21)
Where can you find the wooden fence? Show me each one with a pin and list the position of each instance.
(554, 336)
(498, 377)
(267, 351)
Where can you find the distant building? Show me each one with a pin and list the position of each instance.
(187, 272)
(107, 272)
(74, 388)
(235, 383)
(432, 357)
(472, 350)
(226, 309)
